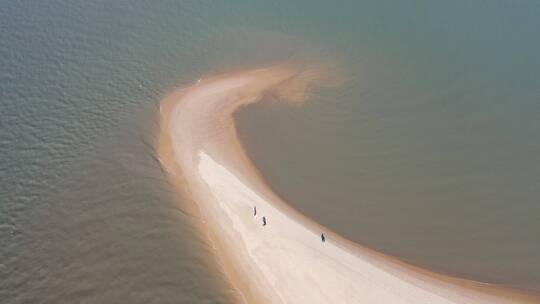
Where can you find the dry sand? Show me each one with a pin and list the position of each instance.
(284, 261)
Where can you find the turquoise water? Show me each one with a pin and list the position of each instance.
(429, 151)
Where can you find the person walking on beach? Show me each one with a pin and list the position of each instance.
(264, 220)
(323, 238)
(254, 210)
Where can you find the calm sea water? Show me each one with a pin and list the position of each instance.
(429, 151)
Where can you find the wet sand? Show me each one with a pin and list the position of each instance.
(284, 261)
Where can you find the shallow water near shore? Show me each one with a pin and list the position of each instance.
(429, 151)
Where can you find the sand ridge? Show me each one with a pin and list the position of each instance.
(284, 261)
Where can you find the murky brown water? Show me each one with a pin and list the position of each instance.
(430, 150)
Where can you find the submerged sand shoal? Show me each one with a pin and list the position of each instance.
(284, 261)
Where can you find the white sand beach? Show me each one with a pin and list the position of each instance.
(284, 261)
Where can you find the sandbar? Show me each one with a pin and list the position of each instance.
(284, 261)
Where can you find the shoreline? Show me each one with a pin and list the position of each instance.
(284, 261)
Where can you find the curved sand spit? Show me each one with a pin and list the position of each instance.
(284, 261)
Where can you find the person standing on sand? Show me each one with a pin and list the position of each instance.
(323, 238)
(254, 210)
(264, 220)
